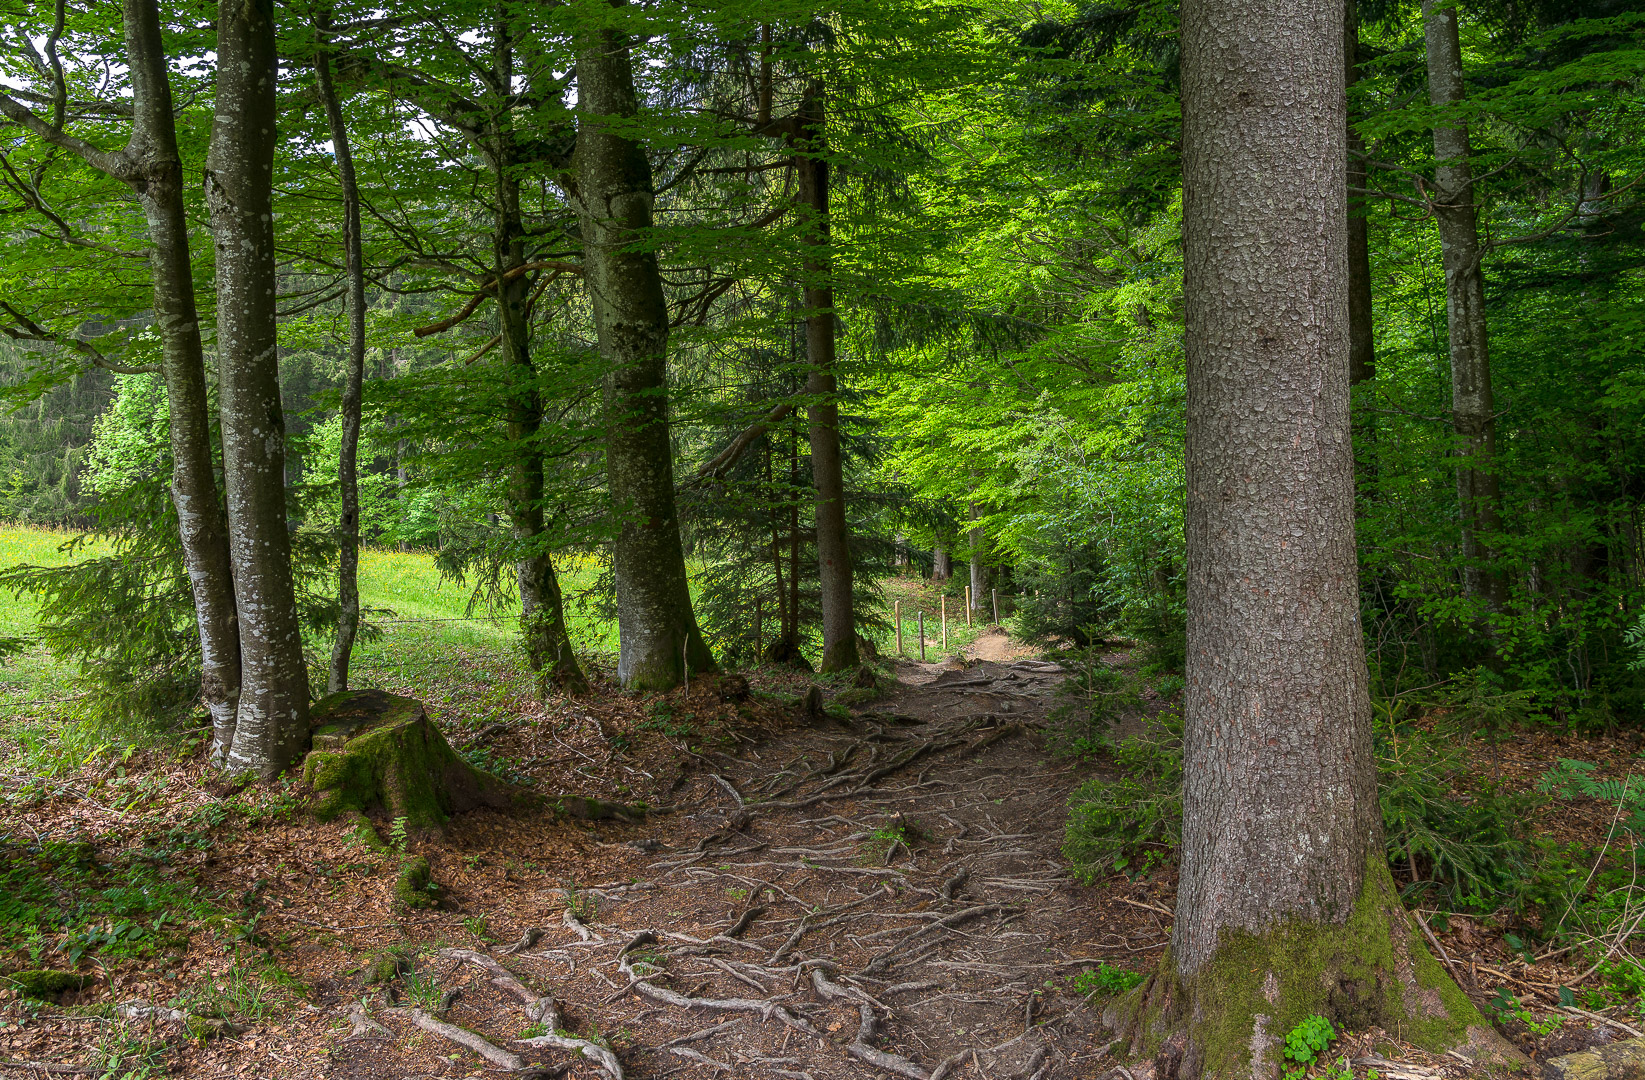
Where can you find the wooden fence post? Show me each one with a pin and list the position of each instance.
(996, 593)
(968, 605)
(944, 602)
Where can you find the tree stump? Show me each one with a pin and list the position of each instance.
(373, 749)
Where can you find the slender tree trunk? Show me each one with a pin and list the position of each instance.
(202, 527)
(1284, 904)
(272, 723)
(348, 523)
(542, 608)
(979, 572)
(1472, 404)
(827, 469)
(659, 639)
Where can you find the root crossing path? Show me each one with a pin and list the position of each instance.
(880, 896)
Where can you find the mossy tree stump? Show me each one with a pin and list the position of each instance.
(376, 750)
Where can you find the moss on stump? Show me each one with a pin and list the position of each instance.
(1230, 1018)
(45, 984)
(373, 749)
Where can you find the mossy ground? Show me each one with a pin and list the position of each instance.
(1230, 1018)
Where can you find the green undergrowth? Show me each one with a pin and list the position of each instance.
(1456, 839)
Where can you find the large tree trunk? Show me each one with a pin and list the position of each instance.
(201, 525)
(659, 639)
(272, 723)
(827, 470)
(1472, 404)
(1284, 904)
(348, 520)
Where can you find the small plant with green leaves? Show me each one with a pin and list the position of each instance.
(1105, 980)
(479, 926)
(1305, 1043)
(1575, 779)
(397, 835)
(422, 990)
(130, 1050)
(1132, 822)
(582, 905)
(532, 1031)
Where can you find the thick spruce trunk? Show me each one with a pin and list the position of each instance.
(348, 519)
(203, 531)
(271, 728)
(1473, 406)
(827, 469)
(658, 636)
(1284, 904)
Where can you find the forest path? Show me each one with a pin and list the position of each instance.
(879, 896)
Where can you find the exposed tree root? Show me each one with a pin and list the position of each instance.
(539, 1010)
(463, 1037)
(867, 1028)
(764, 1009)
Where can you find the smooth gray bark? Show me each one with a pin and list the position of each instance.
(979, 572)
(348, 520)
(1279, 795)
(823, 413)
(659, 639)
(152, 167)
(272, 723)
(1473, 406)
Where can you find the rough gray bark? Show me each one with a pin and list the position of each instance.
(659, 639)
(348, 521)
(272, 722)
(1284, 902)
(1472, 403)
(941, 565)
(151, 167)
(1279, 799)
(823, 414)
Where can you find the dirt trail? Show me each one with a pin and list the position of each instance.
(881, 897)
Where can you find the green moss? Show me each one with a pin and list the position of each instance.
(378, 750)
(45, 984)
(364, 833)
(388, 965)
(414, 886)
(1369, 972)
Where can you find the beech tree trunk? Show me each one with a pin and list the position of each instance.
(201, 525)
(827, 471)
(1284, 903)
(151, 167)
(348, 520)
(658, 636)
(272, 722)
(1473, 406)
(941, 565)
(979, 572)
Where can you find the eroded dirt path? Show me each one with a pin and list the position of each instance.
(881, 896)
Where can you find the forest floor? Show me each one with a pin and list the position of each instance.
(864, 893)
